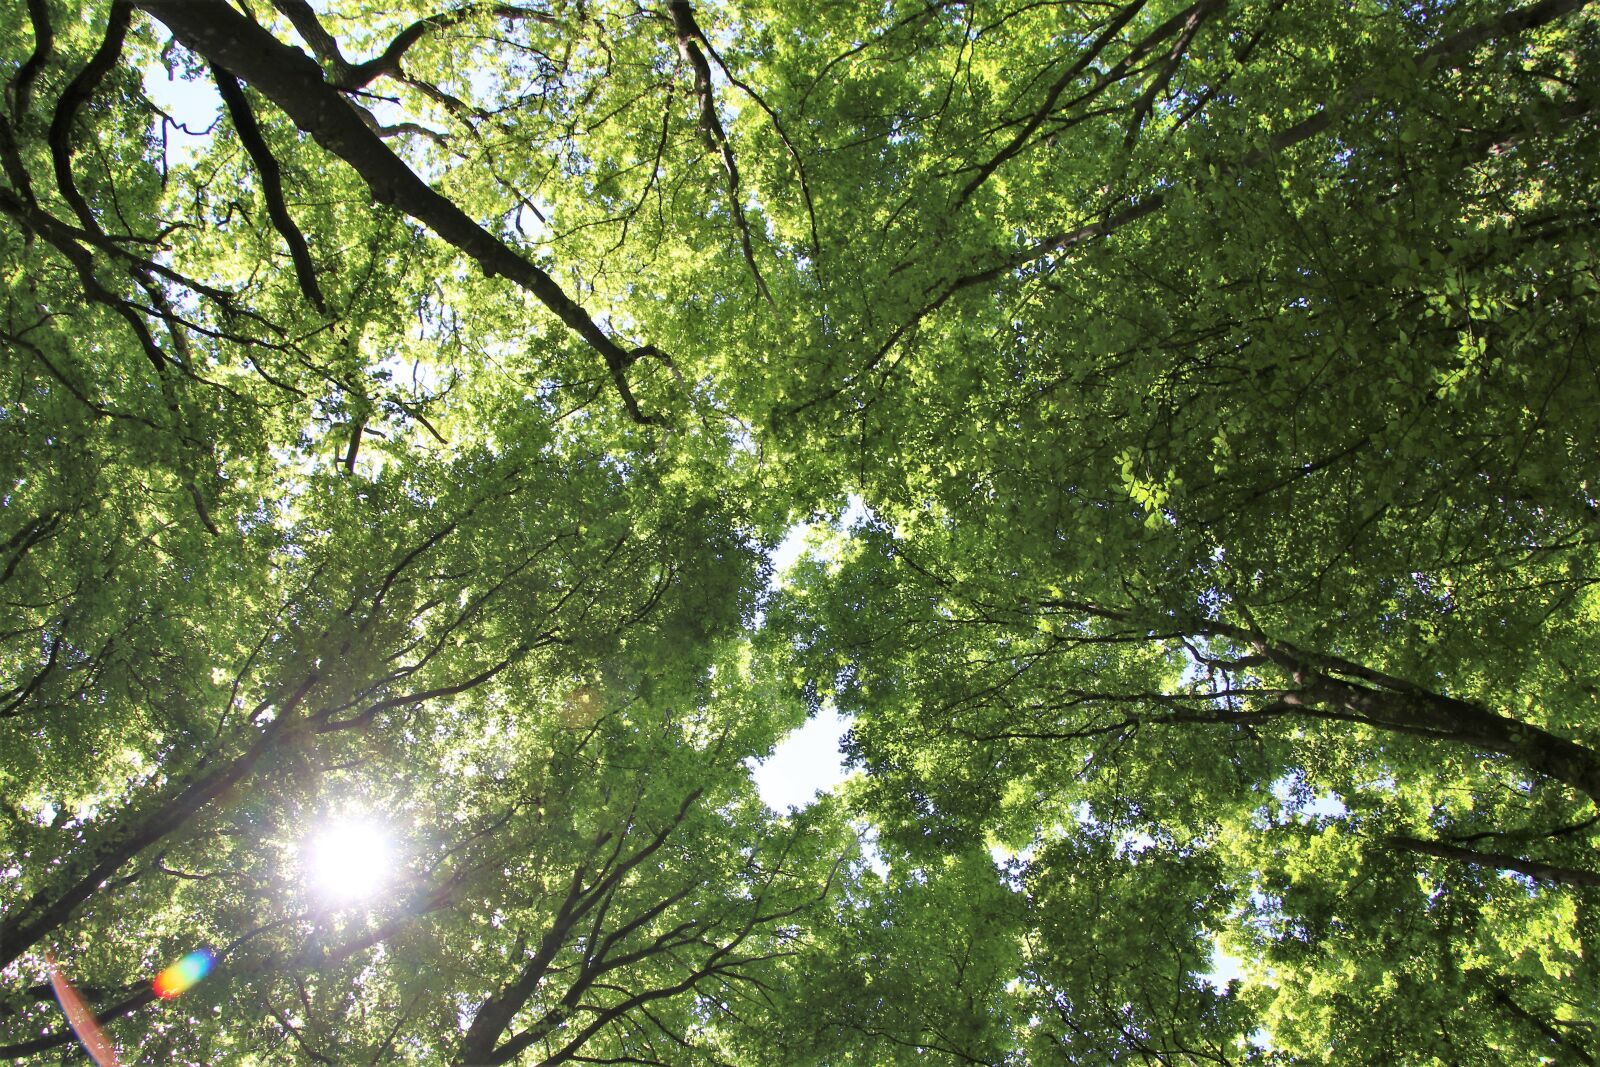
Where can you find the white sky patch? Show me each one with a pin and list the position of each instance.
(1133, 843)
(1225, 967)
(1325, 805)
(808, 761)
(804, 764)
(855, 512)
(193, 105)
(790, 549)
(1001, 854)
(868, 836)
(798, 538)
(418, 376)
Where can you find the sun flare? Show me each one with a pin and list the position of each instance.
(349, 859)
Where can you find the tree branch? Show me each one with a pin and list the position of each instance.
(689, 35)
(293, 80)
(388, 63)
(1538, 869)
(1140, 207)
(244, 123)
(76, 94)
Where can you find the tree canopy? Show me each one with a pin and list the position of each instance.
(1213, 391)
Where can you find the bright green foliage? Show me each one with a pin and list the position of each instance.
(914, 962)
(1218, 384)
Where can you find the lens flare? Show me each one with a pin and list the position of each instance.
(80, 1017)
(183, 974)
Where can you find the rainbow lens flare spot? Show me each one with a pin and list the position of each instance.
(183, 974)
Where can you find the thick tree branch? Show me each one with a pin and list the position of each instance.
(1326, 686)
(495, 1014)
(50, 907)
(244, 123)
(1504, 861)
(1020, 139)
(143, 995)
(76, 94)
(43, 43)
(388, 63)
(1184, 24)
(293, 80)
(1197, 16)
(82, 262)
(350, 76)
(481, 1045)
(777, 125)
(309, 26)
(1563, 1041)
(65, 1036)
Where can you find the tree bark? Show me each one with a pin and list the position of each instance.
(1504, 861)
(293, 81)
